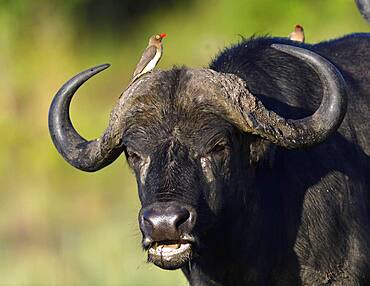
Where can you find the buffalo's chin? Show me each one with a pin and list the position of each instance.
(170, 256)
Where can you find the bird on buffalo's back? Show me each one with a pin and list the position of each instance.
(298, 34)
(150, 57)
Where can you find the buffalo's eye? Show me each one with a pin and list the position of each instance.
(218, 149)
(133, 156)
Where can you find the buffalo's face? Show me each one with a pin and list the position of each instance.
(184, 164)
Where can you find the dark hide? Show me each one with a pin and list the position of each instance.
(265, 215)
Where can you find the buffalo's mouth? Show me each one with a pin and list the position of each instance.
(170, 254)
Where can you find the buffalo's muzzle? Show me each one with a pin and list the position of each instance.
(166, 229)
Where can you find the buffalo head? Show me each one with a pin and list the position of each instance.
(192, 137)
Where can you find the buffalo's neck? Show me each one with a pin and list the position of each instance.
(245, 252)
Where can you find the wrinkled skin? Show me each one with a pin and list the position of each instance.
(265, 215)
(195, 157)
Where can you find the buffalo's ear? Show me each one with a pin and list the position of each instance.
(262, 152)
(364, 7)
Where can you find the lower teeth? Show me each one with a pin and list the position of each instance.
(168, 249)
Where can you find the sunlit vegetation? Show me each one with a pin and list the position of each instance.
(60, 226)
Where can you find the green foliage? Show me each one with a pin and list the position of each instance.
(62, 226)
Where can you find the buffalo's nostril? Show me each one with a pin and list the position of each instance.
(146, 221)
(181, 218)
(166, 221)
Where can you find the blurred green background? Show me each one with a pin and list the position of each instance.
(58, 225)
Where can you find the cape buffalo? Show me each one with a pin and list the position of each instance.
(254, 171)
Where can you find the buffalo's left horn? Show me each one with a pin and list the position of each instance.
(85, 155)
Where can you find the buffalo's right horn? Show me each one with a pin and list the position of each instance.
(85, 155)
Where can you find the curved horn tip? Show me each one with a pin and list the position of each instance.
(288, 48)
(79, 79)
(75, 82)
(306, 54)
(93, 71)
(99, 68)
(102, 66)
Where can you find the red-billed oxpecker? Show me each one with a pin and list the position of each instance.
(298, 34)
(150, 57)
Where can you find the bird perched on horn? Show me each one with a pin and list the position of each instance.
(298, 34)
(150, 57)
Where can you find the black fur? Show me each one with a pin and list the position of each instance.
(270, 216)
